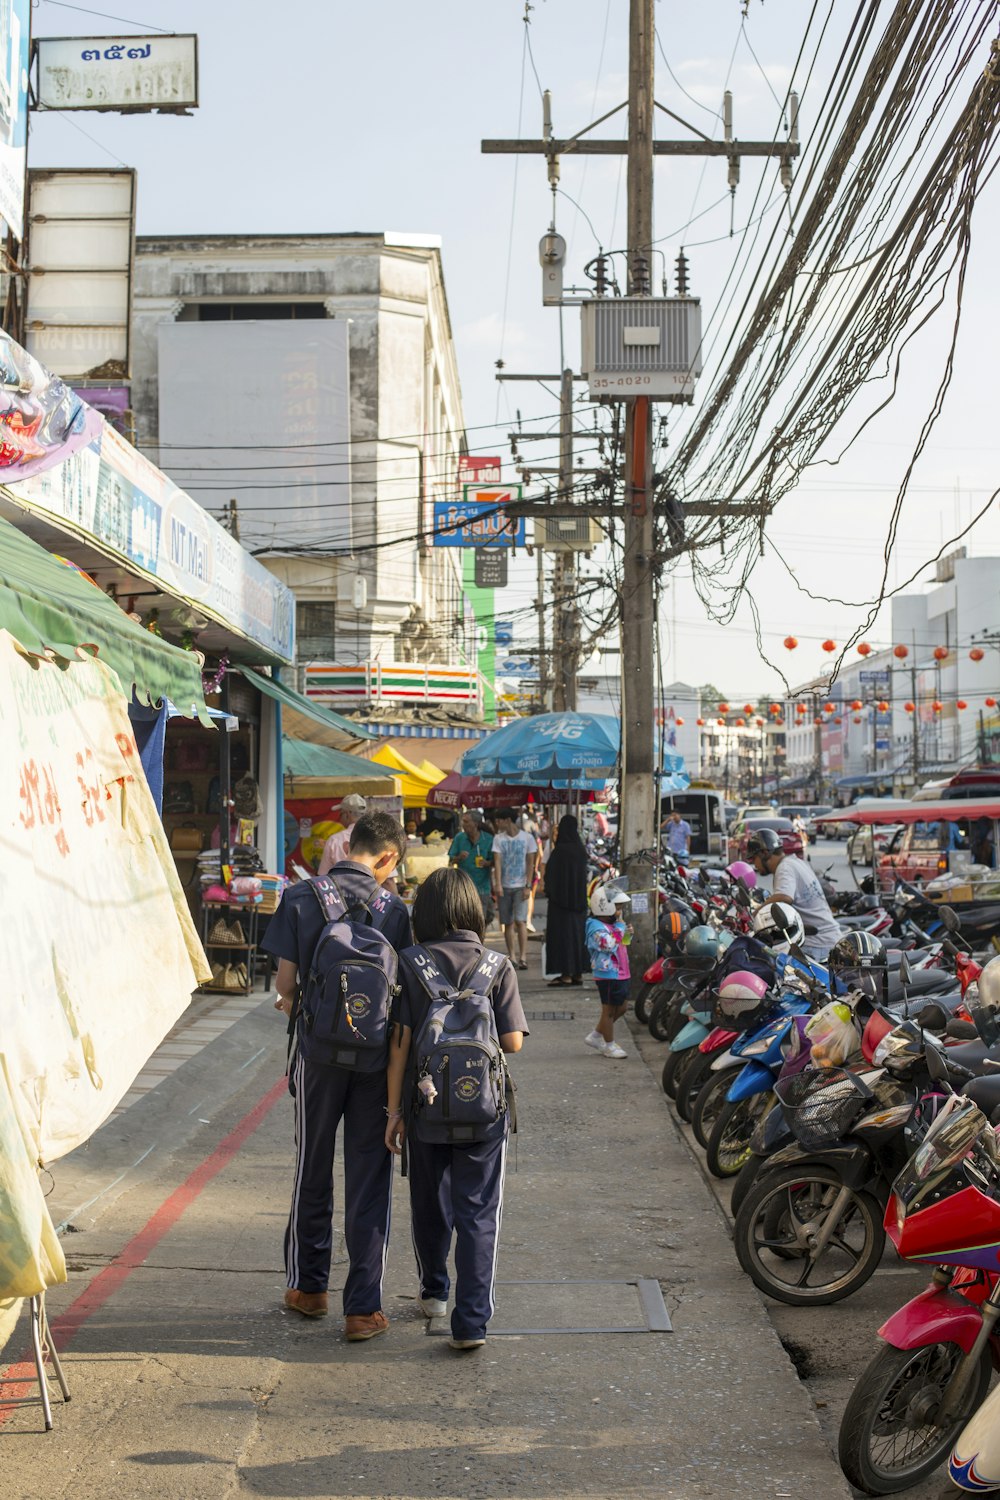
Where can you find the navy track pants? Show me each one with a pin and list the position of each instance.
(323, 1097)
(458, 1189)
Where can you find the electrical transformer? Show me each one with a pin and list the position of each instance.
(641, 346)
(568, 533)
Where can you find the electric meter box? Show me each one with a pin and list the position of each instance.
(641, 346)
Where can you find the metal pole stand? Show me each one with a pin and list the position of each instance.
(44, 1351)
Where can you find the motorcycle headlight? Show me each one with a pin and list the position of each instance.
(886, 1119)
(757, 1048)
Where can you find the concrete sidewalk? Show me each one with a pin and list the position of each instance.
(190, 1380)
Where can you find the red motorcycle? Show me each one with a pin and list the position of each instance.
(940, 1350)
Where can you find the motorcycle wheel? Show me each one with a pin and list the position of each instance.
(690, 1083)
(644, 1001)
(883, 1446)
(668, 1078)
(711, 1098)
(745, 1179)
(664, 1012)
(771, 1245)
(728, 1147)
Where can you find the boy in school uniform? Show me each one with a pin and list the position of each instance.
(325, 1095)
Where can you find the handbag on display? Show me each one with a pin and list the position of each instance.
(193, 755)
(187, 839)
(178, 797)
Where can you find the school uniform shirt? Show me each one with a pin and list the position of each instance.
(295, 928)
(457, 955)
(606, 946)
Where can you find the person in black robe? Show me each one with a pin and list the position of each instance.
(566, 893)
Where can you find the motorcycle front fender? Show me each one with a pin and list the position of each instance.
(934, 1316)
(974, 1465)
(853, 1162)
(754, 1078)
(691, 1035)
(725, 1059)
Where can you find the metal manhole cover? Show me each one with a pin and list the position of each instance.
(564, 1307)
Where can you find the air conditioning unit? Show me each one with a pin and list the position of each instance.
(641, 346)
(568, 533)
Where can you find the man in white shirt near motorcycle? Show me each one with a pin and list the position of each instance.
(793, 881)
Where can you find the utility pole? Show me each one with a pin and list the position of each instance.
(640, 789)
(565, 657)
(543, 668)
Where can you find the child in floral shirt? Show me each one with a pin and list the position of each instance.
(607, 943)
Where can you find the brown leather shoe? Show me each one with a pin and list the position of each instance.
(309, 1304)
(358, 1326)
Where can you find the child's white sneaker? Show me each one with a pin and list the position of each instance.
(612, 1049)
(595, 1040)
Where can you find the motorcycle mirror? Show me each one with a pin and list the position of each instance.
(950, 918)
(905, 974)
(780, 920)
(936, 1065)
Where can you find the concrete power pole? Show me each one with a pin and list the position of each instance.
(564, 627)
(639, 785)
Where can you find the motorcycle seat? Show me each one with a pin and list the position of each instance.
(923, 982)
(972, 1054)
(985, 1092)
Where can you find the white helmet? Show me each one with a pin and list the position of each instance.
(606, 900)
(778, 926)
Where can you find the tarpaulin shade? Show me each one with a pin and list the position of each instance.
(457, 791)
(307, 720)
(918, 812)
(416, 786)
(49, 606)
(302, 759)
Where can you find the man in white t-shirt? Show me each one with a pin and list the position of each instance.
(793, 881)
(515, 853)
(352, 808)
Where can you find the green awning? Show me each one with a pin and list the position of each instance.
(306, 720)
(47, 605)
(302, 759)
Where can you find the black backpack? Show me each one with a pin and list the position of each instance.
(343, 1019)
(460, 1078)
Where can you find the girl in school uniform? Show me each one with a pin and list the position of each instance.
(454, 1189)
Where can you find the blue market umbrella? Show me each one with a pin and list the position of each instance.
(570, 751)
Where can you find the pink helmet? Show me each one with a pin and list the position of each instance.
(740, 870)
(740, 994)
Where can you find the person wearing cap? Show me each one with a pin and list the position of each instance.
(335, 849)
(607, 943)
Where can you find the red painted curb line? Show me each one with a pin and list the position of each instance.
(141, 1245)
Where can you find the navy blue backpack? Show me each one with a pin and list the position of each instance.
(343, 1020)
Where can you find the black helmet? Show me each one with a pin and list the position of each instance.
(857, 951)
(763, 841)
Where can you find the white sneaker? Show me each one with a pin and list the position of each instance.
(432, 1307)
(595, 1040)
(466, 1343)
(612, 1049)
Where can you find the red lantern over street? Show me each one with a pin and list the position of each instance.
(857, 704)
(759, 723)
(723, 708)
(741, 723)
(790, 643)
(975, 654)
(857, 718)
(940, 652)
(901, 652)
(800, 708)
(838, 720)
(817, 720)
(991, 702)
(678, 722)
(748, 708)
(864, 649)
(699, 722)
(776, 708)
(829, 646)
(828, 708)
(960, 703)
(721, 723)
(882, 706)
(936, 706)
(909, 707)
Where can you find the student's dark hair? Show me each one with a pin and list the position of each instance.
(375, 833)
(447, 901)
(509, 812)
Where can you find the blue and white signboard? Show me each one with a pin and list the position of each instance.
(479, 519)
(15, 23)
(503, 632)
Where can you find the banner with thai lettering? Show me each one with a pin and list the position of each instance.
(101, 954)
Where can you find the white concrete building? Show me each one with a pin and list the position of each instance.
(313, 380)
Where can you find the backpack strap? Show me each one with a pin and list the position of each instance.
(331, 899)
(420, 963)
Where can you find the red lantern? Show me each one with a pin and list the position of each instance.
(759, 723)
(991, 703)
(721, 723)
(790, 643)
(909, 707)
(700, 722)
(829, 645)
(975, 654)
(678, 722)
(817, 721)
(864, 649)
(723, 708)
(838, 720)
(857, 704)
(776, 708)
(857, 718)
(960, 703)
(800, 708)
(741, 723)
(883, 707)
(936, 706)
(940, 652)
(901, 652)
(748, 708)
(828, 708)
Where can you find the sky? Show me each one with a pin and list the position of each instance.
(369, 117)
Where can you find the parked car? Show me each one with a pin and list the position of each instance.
(755, 810)
(742, 829)
(859, 843)
(814, 828)
(920, 851)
